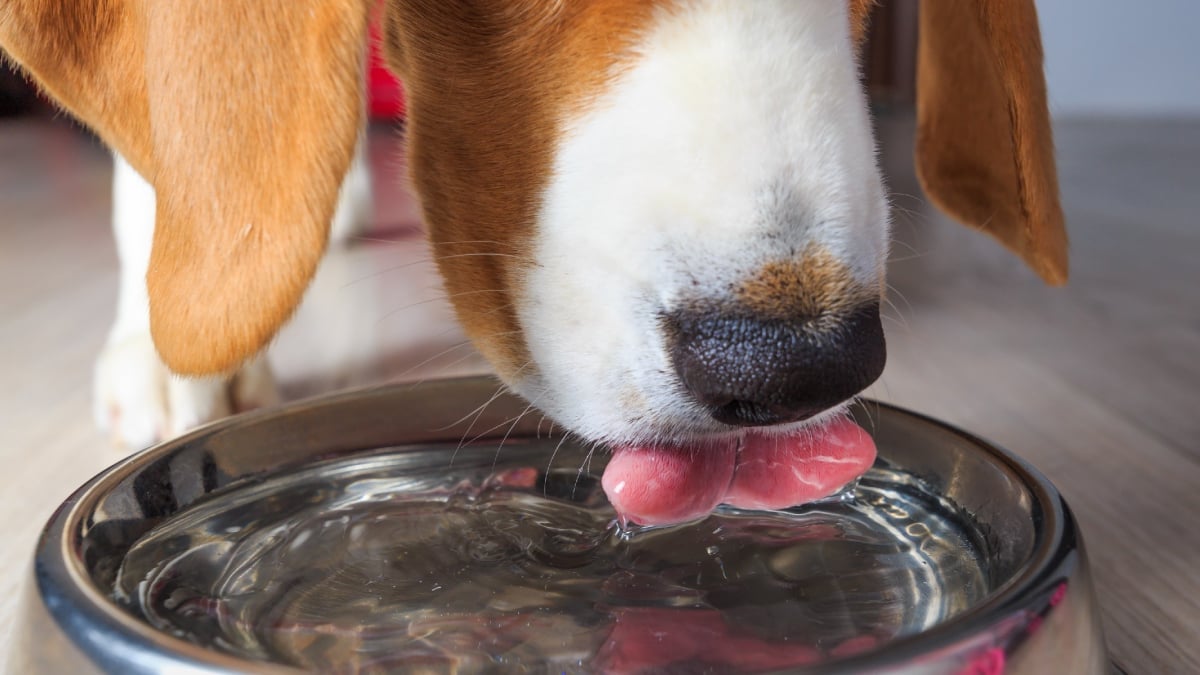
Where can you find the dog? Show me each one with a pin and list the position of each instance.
(136, 400)
(661, 221)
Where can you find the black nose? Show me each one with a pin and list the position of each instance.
(755, 371)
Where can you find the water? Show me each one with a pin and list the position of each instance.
(397, 561)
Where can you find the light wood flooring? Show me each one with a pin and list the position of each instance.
(1096, 384)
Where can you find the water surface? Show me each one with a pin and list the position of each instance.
(402, 560)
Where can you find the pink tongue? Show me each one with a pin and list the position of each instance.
(655, 485)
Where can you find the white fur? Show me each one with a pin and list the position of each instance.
(136, 399)
(738, 134)
(355, 201)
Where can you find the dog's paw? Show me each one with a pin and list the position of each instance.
(138, 402)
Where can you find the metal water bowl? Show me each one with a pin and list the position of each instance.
(1029, 606)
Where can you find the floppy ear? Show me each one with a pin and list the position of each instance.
(244, 117)
(984, 149)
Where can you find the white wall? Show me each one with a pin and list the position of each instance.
(1122, 57)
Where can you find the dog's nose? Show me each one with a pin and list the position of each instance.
(754, 371)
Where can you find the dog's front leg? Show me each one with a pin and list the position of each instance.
(136, 400)
(356, 199)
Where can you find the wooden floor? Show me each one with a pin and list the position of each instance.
(1096, 384)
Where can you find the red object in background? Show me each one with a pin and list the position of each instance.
(385, 96)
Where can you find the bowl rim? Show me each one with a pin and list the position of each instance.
(114, 639)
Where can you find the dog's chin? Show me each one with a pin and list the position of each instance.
(676, 422)
(705, 431)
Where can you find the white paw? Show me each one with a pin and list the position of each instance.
(138, 402)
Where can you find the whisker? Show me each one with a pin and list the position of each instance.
(480, 409)
(479, 414)
(460, 242)
(892, 290)
(447, 367)
(425, 261)
(465, 442)
(504, 440)
(443, 298)
(899, 319)
(887, 390)
(895, 322)
(862, 401)
(916, 198)
(550, 464)
(906, 258)
(514, 421)
(585, 465)
(454, 325)
(380, 272)
(915, 253)
(427, 361)
(408, 234)
(455, 347)
(477, 254)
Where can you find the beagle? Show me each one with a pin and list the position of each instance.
(660, 220)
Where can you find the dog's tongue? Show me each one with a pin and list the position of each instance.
(660, 485)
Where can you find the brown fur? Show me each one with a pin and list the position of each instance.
(87, 56)
(984, 149)
(860, 14)
(243, 116)
(815, 285)
(490, 85)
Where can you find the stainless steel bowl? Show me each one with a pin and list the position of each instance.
(1031, 612)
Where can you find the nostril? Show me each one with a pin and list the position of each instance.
(756, 371)
(749, 413)
(738, 412)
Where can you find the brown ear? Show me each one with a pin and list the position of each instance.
(242, 115)
(984, 149)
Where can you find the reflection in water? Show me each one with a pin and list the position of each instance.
(396, 560)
